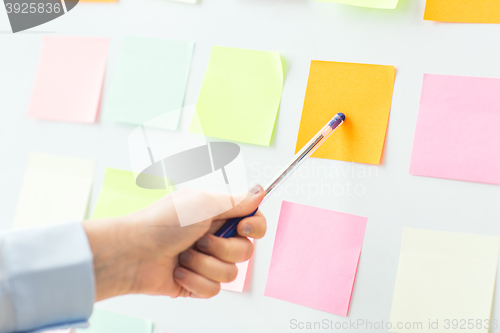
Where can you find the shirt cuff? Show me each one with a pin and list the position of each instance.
(46, 277)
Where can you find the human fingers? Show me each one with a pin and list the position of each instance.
(246, 206)
(197, 285)
(254, 226)
(208, 266)
(233, 250)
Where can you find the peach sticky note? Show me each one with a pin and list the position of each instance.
(315, 257)
(239, 283)
(364, 94)
(467, 11)
(445, 282)
(69, 79)
(457, 132)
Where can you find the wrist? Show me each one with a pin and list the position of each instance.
(114, 262)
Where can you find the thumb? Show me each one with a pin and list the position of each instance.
(245, 204)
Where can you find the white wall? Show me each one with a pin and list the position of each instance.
(300, 30)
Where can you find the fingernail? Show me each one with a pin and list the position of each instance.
(178, 274)
(185, 257)
(255, 190)
(247, 229)
(203, 242)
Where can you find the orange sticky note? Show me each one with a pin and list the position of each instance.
(363, 93)
(467, 11)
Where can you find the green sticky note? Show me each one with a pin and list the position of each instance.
(109, 322)
(240, 96)
(383, 4)
(121, 196)
(150, 80)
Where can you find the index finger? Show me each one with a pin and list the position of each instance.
(254, 226)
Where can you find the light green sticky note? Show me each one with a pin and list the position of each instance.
(121, 196)
(240, 96)
(109, 322)
(150, 80)
(383, 4)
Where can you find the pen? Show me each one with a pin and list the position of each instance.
(229, 228)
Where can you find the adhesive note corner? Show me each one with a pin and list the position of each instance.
(69, 79)
(150, 82)
(446, 146)
(315, 257)
(444, 276)
(364, 94)
(241, 94)
(465, 11)
(121, 196)
(55, 189)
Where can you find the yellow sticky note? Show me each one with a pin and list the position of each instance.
(364, 94)
(467, 11)
(55, 189)
(445, 282)
(121, 196)
(240, 95)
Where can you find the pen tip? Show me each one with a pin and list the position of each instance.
(341, 115)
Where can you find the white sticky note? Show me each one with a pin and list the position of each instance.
(55, 189)
(445, 282)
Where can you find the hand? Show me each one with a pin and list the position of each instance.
(149, 252)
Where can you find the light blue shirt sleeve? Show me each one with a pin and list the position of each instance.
(46, 278)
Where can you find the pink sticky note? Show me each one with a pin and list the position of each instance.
(239, 283)
(69, 79)
(457, 134)
(315, 257)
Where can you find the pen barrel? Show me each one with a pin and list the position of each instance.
(229, 228)
(306, 151)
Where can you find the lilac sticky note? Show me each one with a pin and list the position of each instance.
(315, 257)
(457, 134)
(69, 79)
